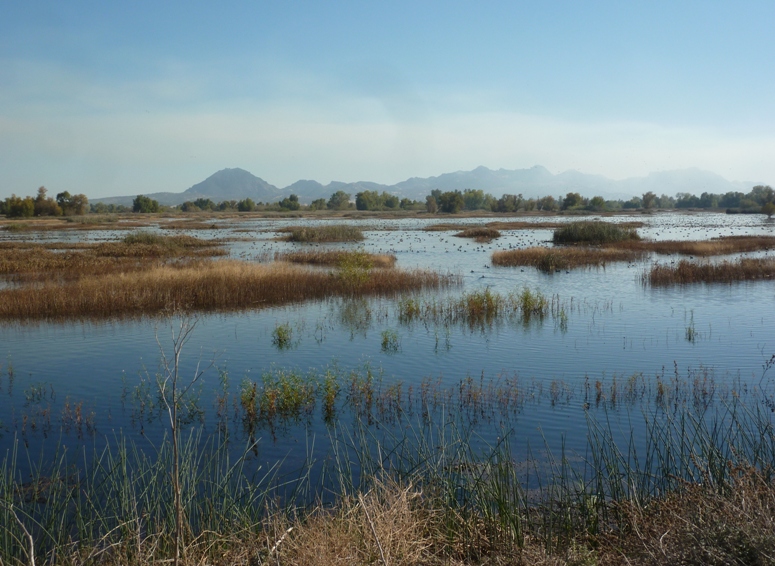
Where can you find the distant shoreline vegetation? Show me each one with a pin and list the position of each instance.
(759, 200)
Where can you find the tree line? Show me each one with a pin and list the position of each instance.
(761, 198)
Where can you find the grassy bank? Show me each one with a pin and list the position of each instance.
(221, 285)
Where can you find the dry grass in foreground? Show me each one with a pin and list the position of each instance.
(221, 285)
(399, 525)
(336, 258)
(687, 272)
(552, 259)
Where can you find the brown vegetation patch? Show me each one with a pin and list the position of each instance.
(686, 272)
(61, 261)
(221, 285)
(550, 259)
(704, 248)
(480, 233)
(335, 258)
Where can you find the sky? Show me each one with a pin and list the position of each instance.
(125, 98)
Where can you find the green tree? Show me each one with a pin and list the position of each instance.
(547, 203)
(596, 203)
(768, 209)
(649, 199)
(508, 203)
(431, 205)
(246, 205)
(572, 200)
(340, 200)
(46, 206)
(17, 207)
(473, 199)
(318, 204)
(451, 202)
(290, 203)
(145, 204)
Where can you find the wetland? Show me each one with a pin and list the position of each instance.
(536, 379)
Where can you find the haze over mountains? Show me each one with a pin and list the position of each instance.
(537, 181)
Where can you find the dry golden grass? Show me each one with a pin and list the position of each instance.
(221, 285)
(687, 272)
(704, 248)
(551, 259)
(704, 524)
(336, 257)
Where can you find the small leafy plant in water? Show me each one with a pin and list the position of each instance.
(391, 342)
(282, 336)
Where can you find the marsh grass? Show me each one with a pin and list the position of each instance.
(480, 309)
(716, 246)
(215, 285)
(327, 233)
(58, 261)
(424, 490)
(559, 258)
(593, 232)
(689, 272)
(336, 258)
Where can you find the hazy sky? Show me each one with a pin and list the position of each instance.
(122, 98)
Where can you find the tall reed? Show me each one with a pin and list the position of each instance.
(210, 285)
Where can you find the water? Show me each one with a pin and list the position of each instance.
(616, 328)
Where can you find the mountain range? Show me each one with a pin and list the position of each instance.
(537, 181)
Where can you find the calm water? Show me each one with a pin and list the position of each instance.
(616, 327)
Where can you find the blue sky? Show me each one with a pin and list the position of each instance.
(110, 99)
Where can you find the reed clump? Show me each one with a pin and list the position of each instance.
(216, 285)
(337, 257)
(688, 272)
(593, 232)
(552, 259)
(327, 233)
(479, 233)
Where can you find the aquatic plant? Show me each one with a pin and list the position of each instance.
(391, 342)
(282, 336)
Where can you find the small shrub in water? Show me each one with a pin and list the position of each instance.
(282, 336)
